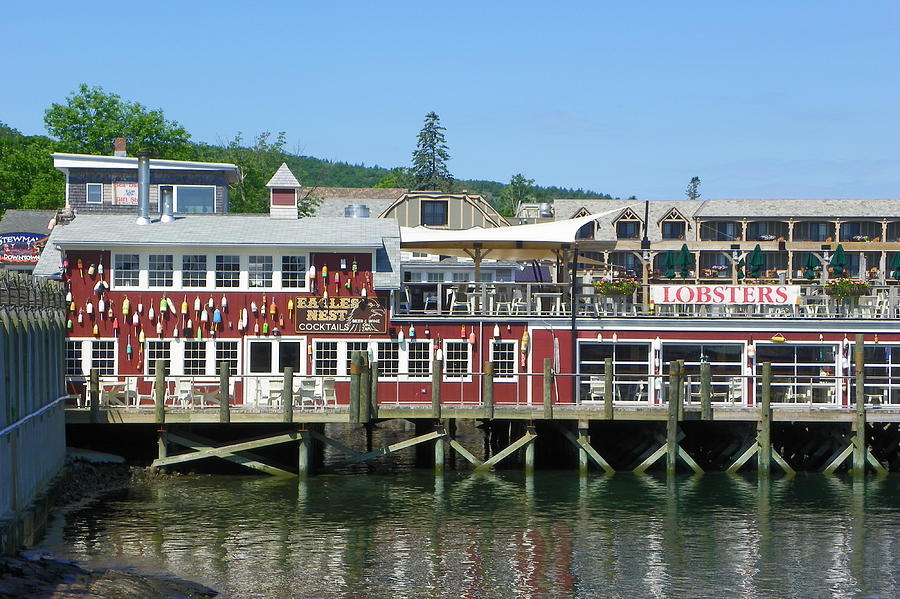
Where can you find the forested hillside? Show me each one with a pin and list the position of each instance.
(91, 118)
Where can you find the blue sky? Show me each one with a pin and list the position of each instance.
(759, 99)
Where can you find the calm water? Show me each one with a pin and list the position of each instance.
(503, 535)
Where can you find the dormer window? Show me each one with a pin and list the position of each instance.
(434, 213)
(628, 225)
(673, 226)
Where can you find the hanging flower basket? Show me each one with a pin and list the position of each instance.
(616, 287)
(846, 288)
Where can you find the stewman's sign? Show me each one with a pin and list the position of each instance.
(725, 294)
(339, 315)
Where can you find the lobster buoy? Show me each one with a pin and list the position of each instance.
(197, 304)
(126, 306)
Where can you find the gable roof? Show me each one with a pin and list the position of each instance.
(476, 201)
(283, 177)
(803, 208)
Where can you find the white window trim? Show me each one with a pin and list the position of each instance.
(177, 357)
(112, 266)
(511, 378)
(87, 194)
(175, 187)
(276, 354)
(467, 377)
(87, 354)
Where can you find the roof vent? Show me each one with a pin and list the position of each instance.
(546, 210)
(356, 211)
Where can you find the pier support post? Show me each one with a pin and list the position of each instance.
(529, 452)
(287, 394)
(608, 389)
(439, 450)
(224, 393)
(488, 390)
(705, 392)
(672, 423)
(159, 397)
(764, 426)
(365, 388)
(859, 422)
(583, 439)
(303, 450)
(373, 390)
(548, 389)
(437, 374)
(354, 386)
(94, 391)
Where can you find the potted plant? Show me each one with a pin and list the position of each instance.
(621, 287)
(860, 238)
(846, 288)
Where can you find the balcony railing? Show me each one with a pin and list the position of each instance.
(554, 300)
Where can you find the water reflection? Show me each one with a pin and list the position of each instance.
(553, 534)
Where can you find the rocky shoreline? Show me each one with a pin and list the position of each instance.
(44, 576)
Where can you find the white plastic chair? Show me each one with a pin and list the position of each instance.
(328, 393)
(308, 395)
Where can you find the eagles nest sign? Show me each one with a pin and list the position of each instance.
(340, 315)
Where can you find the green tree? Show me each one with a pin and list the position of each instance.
(27, 176)
(519, 190)
(7, 132)
(91, 119)
(397, 177)
(693, 189)
(429, 161)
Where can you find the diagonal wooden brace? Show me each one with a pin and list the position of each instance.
(465, 452)
(365, 457)
(248, 459)
(583, 444)
(225, 450)
(524, 440)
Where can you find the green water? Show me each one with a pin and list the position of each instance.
(505, 535)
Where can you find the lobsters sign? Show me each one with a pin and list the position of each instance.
(725, 294)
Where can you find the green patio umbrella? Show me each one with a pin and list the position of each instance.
(756, 261)
(895, 266)
(838, 261)
(684, 260)
(810, 264)
(740, 269)
(669, 263)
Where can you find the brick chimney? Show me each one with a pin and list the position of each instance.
(284, 190)
(119, 146)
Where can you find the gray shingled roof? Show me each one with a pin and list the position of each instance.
(228, 230)
(805, 208)
(283, 177)
(566, 209)
(26, 221)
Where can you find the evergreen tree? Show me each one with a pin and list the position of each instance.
(693, 189)
(429, 162)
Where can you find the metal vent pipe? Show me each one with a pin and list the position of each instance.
(167, 202)
(143, 189)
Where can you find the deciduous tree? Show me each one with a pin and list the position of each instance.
(519, 190)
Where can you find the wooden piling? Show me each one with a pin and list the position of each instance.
(224, 386)
(548, 388)
(583, 439)
(529, 453)
(94, 391)
(354, 386)
(488, 390)
(683, 393)
(672, 423)
(374, 373)
(859, 422)
(287, 394)
(437, 374)
(705, 392)
(159, 392)
(608, 389)
(303, 450)
(764, 426)
(439, 451)
(365, 388)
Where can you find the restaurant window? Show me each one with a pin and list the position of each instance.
(461, 277)
(94, 193)
(290, 355)
(882, 370)
(293, 272)
(630, 363)
(628, 229)
(673, 229)
(194, 199)
(503, 355)
(126, 270)
(352, 346)
(725, 366)
(325, 358)
(435, 277)
(456, 358)
(158, 350)
(227, 351)
(195, 357)
(228, 271)
(74, 365)
(434, 213)
(160, 268)
(260, 356)
(259, 270)
(103, 357)
(193, 270)
(800, 373)
(388, 358)
(419, 359)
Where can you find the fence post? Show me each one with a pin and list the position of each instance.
(548, 388)
(224, 387)
(489, 390)
(287, 394)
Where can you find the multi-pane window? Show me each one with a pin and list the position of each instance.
(103, 357)
(801, 373)
(74, 366)
(260, 271)
(160, 270)
(127, 269)
(227, 351)
(456, 358)
(503, 355)
(352, 346)
(325, 358)
(673, 229)
(94, 193)
(193, 270)
(228, 271)
(630, 362)
(293, 272)
(419, 358)
(435, 277)
(388, 358)
(434, 213)
(460, 277)
(158, 350)
(628, 229)
(195, 199)
(195, 357)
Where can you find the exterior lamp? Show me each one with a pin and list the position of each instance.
(599, 336)
(497, 332)
(778, 338)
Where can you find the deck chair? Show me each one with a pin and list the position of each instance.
(460, 299)
(272, 391)
(182, 392)
(308, 395)
(734, 393)
(596, 388)
(404, 305)
(133, 394)
(328, 393)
